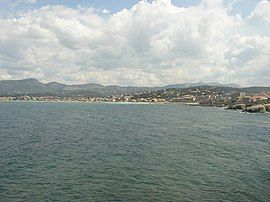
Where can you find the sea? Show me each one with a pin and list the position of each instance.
(52, 151)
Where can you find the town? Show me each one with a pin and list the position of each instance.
(233, 98)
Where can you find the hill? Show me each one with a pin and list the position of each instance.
(33, 86)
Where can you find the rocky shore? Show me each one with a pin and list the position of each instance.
(260, 108)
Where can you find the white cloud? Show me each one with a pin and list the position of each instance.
(150, 44)
(17, 2)
(105, 11)
(30, 1)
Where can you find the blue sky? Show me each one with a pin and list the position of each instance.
(241, 6)
(113, 5)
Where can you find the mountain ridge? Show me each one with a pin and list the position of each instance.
(33, 86)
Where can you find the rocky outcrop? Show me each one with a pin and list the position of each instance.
(259, 108)
(237, 107)
(256, 109)
(267, 107)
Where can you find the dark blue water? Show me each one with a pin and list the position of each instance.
(118, 152)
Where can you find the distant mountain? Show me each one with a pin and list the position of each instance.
(255, 89)
(189, 85)
(32, 86)
(24, 86)
(81, 87)
(55, 85)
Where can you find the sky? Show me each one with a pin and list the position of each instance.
(132, 42)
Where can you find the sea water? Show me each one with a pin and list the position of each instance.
(156, 152)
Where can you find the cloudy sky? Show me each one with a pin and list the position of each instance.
(131, 42)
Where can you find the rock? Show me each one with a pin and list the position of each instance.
(256, 109)
(237, 107)
(267, 107)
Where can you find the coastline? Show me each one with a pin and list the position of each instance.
(138, 103)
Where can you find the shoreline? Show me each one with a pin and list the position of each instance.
(138, 103)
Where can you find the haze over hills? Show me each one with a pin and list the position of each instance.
(33, 86)
(189, 85)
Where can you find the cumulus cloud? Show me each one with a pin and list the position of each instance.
(105, 11)
(150, 44)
